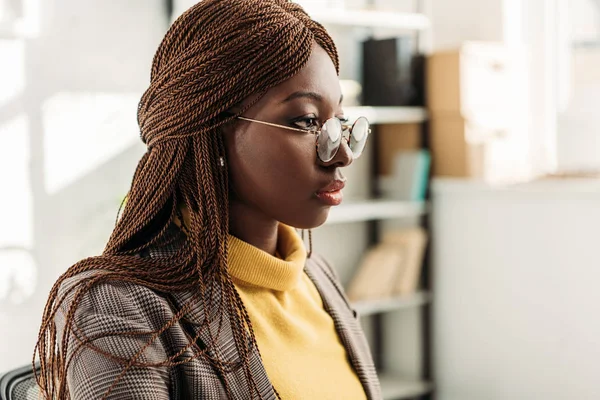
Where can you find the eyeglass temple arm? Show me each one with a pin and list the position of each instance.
(344, 126)
(275, 125)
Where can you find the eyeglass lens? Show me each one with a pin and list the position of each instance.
(330, 138)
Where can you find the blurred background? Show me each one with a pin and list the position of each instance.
(467, 242)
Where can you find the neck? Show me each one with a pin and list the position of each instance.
(253, 227)
(247, 224)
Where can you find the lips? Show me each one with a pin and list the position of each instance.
(334, 186)
(332, 193)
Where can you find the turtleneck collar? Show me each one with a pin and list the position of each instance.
(257, 267)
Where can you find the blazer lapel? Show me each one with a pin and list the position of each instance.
(226, 349)
(220, 332)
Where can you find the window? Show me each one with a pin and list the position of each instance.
(578, 86)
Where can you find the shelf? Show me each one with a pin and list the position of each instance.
(396, 388)
(369, 307)
(388, 115)
(369, 210)
(370, 19)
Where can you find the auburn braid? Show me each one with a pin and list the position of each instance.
(214, 56)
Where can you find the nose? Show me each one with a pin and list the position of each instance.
(342, 158)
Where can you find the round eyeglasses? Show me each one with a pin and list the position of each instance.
(329, 137)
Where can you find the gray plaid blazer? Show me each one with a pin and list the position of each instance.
(126, 307)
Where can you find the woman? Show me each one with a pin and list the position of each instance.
(204, 289)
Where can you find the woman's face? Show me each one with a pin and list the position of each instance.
(275, 173)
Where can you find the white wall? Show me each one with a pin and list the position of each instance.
(70, 143)
(516, 291)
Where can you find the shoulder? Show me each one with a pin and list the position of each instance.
(105, 292)
(113, 321)
(115, 317)
(100, 302)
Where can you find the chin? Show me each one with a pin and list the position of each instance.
(313, 221)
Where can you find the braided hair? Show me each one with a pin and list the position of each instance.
(214, 56)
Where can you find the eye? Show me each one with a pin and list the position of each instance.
(343, 120)
(309, 123)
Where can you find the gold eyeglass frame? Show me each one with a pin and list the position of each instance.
(345, 127)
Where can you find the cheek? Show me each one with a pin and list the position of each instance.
(272, 168)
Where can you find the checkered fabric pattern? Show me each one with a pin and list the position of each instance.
(125, 307)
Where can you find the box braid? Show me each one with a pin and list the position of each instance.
(214, 56)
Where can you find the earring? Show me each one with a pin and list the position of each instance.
(221, 161)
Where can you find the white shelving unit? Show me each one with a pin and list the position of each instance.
(388, 115)
(379, 209)
(397, 388)
(376, 209)
(393, 387)
(370, 18)
(370, 307)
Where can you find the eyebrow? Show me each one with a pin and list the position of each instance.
(305, 94)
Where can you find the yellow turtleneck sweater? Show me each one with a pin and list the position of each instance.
(300, 348)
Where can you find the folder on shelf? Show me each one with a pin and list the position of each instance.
(392, 74)
(409, 178)
(391, 268)
(375, 277)
(413, 243)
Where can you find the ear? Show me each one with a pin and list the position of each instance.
(238, 109)
(228, 129)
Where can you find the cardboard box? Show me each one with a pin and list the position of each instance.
(476, 102)
(472, 81)
(461, 148)
(394, 138)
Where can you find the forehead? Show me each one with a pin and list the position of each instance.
(318, 76)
